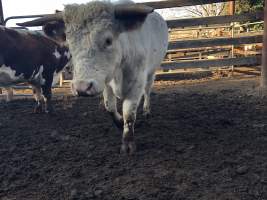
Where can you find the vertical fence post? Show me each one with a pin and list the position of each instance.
(1, 14)
(1, 23)
(231, 7)
(61, 79)
(232, 12)
(264, 51)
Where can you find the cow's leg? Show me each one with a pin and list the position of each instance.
(146, 106)
(47, 93)
(39, 99)
(10, 94)
(129, 109)
(110, 102)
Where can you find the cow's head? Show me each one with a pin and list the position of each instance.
(56, 31)
(92, 32)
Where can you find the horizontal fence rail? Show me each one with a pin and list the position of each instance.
(180, 3)
(180, 23)
(22, 17)
(212, 63)
(215, 42)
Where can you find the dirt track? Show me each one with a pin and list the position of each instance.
(205, 141)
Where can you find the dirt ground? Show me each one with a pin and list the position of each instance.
(206, 140)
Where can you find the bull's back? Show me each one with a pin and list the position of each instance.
(155, 30)
(152, 39)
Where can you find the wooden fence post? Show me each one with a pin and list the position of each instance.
(232, 12)
(231, 7)
(1, 23)
(61, 79)
(1, 14)
(264, 52)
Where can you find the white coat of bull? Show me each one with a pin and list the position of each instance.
(116, 50)
(123, 69)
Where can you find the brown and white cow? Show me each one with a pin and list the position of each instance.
(32, 57)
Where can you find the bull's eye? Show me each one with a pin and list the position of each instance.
(108, 42)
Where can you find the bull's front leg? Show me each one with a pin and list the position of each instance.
(129, 116)
(110, 103)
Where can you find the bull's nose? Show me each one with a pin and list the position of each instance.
(82, 94)
(85, 88)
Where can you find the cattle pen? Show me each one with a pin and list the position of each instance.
(204, 23)
(205, 140)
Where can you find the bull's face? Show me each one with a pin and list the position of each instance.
(95, 55)
(92, 31)
(93, 40)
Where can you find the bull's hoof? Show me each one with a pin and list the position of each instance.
(118, 122)
(128, 148)
(147, 114)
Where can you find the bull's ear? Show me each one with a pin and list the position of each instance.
(55, 30)
(131, 16)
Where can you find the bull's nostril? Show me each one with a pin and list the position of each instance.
(85, 88)
(90, 86)
(82, 94)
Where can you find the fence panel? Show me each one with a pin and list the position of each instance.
(215, 42)
(226, 19)
(250, 60)
(180, 3)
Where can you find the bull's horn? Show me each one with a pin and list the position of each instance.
(43, 20)
(122, 10)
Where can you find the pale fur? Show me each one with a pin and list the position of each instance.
(77, 13)
(124, 69)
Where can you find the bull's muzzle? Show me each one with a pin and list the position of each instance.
(84, 88)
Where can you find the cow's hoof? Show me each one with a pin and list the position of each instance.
(128, 148)
(38, 109)
(50, 111)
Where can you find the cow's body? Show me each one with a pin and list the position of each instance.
(30, 57)
(115, 50)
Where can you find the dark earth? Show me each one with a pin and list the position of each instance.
(204, 141)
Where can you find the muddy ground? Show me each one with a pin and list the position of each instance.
(206, 140)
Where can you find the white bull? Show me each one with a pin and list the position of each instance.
(115, 50)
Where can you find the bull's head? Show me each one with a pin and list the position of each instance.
(92, 32)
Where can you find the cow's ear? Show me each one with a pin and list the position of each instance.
(131, 16)
(55, 30)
